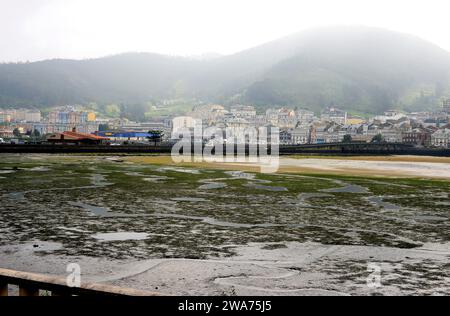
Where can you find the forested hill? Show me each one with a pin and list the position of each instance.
(360, 69)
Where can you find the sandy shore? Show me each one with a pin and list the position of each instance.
(395, 166)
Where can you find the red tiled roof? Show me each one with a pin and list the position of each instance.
(80, 136)
(75, 136)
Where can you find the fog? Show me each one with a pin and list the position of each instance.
(43, 29)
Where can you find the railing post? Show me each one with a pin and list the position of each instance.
(3, 289)
(28, 291)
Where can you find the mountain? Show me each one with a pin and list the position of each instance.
(361, 69)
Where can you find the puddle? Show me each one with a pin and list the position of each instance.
(99, 180)
(266, 187)
(240, 175)
(182, 170)
(33, 246)
(19, 196)
(430, 218)
(7, 171)
(76, 230)
(94, 210)
(40, 169)
(134, 174)
(124, 236)
(352, 188)
(39, 181)
(188, 199)
(304, 197)
(156, 179)
(215, 222)
(447, 203)
(379, 201)
(213, 186)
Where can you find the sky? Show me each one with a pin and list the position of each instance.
(33, 30)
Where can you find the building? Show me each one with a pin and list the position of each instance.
(211, 114)
(5, 117)
(418, 137)
(301, 135)
(389, 116)
(392, 135)
(305, 116)
(286, 137)
(71, 116)
(287, 118)
(6, 132)
(49, 128)
(76, 138)
(243, 111)
(334, 115)
(446, 106)
(441, 138)
(272, 116)
(126, 136)
(20, 116)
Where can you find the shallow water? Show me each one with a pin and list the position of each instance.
(124, 236)
(266, 187)
(357, 189)
(212, 186)
(94, 210)
(379, 201)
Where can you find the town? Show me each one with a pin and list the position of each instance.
(73, 124)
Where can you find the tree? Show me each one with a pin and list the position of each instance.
(16, 132)
(347, 139)
(156, 136)
(36, 133)
(378, 139)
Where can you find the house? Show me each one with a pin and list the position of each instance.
(243, 111)
(441, 138)
(418, 137)
(126, 136)
(305, 116)
(287, 118)
(334, 115)
(76, 138)
(286, 137)
(301, 135)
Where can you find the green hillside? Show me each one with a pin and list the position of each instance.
(357, 68)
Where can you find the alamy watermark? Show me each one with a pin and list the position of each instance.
(74, 277)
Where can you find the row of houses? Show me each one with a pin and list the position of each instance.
(20, 116)
(335, 133)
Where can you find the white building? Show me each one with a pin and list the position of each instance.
(287, 118)
(441, 138)
(182, 124)
(389, 116)
(243, 111)
(305, 116)
(301, 135)
(334, 115)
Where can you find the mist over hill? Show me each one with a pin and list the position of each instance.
(360, 69)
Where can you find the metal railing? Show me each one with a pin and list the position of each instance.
(31, 284)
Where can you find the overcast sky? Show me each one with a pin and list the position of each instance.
(42, 29)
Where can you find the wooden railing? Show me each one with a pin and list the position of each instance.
(31, 284)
